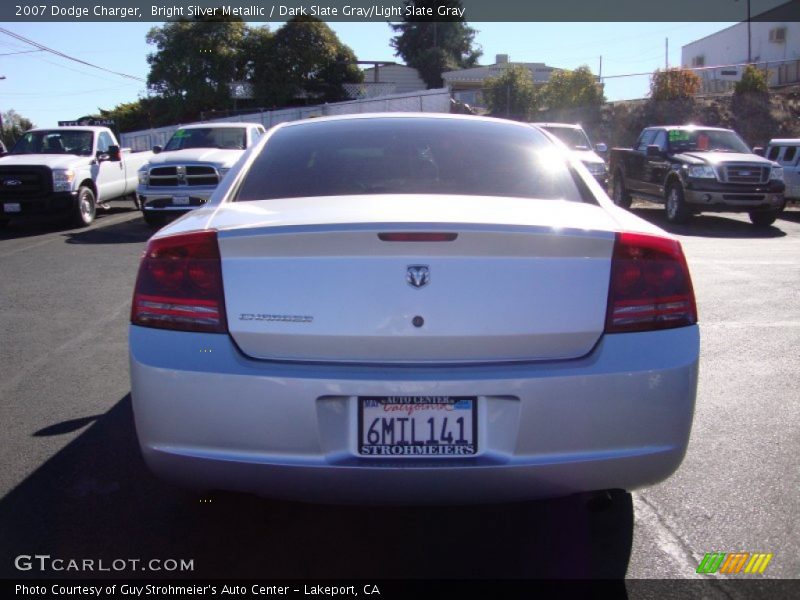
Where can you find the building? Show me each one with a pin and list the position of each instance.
(466, 84)
(720, 57)
(386, 78)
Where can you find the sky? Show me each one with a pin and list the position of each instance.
(46, 88)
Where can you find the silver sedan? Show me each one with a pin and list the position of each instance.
(412, 309)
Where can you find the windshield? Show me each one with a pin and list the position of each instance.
(705, 140)
(408, 156)
(575, 139)
(231, 138)
(56, 141)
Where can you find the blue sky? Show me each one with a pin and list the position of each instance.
(46, 88)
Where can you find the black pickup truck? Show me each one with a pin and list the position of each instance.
(693, 169)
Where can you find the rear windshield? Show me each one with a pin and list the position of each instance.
(408, 156)
(232, 138)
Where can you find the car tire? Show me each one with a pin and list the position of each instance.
(85, 207)
(620, 195)
(765, 218)
(675, 205)
(153, 221)
(4, 223)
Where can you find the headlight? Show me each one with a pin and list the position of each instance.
(62, 180)
(776, 174)
(143, 177)
(704, 172)
(596, 168)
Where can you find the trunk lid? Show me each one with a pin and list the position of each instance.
(313, 280)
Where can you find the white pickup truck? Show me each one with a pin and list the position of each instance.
(183, 175)
(66, 170)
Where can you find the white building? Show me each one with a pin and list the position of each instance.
(719, 57)
(385, 79)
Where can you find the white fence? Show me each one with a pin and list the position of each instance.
(437, 100)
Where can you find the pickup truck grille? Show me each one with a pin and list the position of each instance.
(19, 183)
(181, 175)
(746, 174)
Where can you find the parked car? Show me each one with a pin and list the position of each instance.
(68, 171)
(693, 169)
(786, 152)
(576, 140)
(412, 308)
(183, 175)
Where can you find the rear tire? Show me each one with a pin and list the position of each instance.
(85, 208)
(675, 206)
(620, 195)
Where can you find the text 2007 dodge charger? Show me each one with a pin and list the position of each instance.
(412, 309)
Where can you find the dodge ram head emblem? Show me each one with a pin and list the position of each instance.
(12, 182)
(418, 275)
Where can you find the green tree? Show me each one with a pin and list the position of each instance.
(754, 80)
(305, 59)
(573, 89)
(512, 94)
(752, 108)
(14, 125)
(194, 63)
(433, 45)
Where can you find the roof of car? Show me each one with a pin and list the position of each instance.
(785, 142)
(687, 127)
(399, 115)
(563, 125)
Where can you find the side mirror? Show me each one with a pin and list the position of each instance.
(601, 148)
(157, 149)
(759, 150)
(101, 156)
(654, 151)
(114, 153)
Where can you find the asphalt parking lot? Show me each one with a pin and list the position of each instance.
(72, 483)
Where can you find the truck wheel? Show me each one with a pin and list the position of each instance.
(677, 213)
(764, 218)
(621, 196)
(85, 208)
(153, 220)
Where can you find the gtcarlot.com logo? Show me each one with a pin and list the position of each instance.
(45, 562)
(734, 562)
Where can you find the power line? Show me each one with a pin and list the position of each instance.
(21, 52)
(68, 57)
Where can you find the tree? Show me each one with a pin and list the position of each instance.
(511, 94)
(305, 59)
(674, 84)
(672, 98)
(573, 89)
(14, 125)
(752, 108)
(433, 44)
(195, 62)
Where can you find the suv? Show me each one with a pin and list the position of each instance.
(576, 140)
(786, 152)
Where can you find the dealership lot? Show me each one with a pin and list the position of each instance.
(74, 486)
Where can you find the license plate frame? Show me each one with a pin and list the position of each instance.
(12, 207)
(425, 439)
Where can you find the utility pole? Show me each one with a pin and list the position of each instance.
(749, 47)
(666, 53)
(1, 115)
(600, 70)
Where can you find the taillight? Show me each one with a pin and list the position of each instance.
(650, 286)
(180, 284)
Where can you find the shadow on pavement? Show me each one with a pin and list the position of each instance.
(705, 225)
(133, 231)
(96, 499)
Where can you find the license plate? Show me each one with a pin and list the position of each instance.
(12, 207)
(417, 426)
(181, 200)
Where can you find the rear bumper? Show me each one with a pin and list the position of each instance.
(209, 418)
